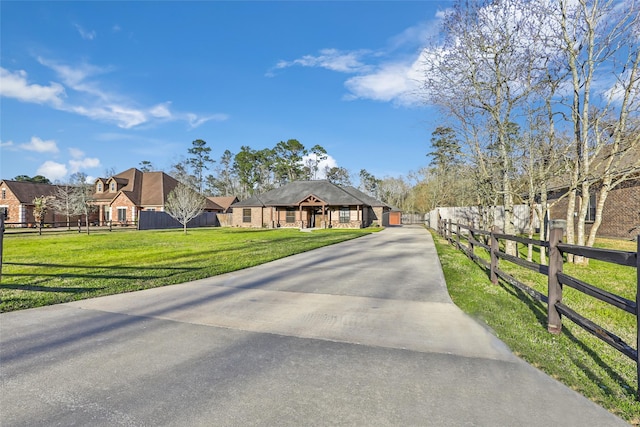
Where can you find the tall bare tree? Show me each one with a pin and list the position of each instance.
(483, 73)
(62, 201)
(81, 197)
(184, 204)
(599, 45)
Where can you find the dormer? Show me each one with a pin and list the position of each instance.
(100, 185)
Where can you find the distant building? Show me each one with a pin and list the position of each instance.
(311, 204)
(121, 197)
(16, 197)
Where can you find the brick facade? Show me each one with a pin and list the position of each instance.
(621, 212)
(20, 209)
(311, 204)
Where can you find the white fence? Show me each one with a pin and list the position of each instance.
(484, 217)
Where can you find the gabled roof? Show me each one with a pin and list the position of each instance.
(224, 202)
(142, 188)
(293, 193)
(26, 191)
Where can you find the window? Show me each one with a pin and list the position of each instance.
(113, 187)
(291, 215)
(99, 188)
(107, 215)
(246, 215)
(345, 215)
(591, 212)
(4, 193)
(122, 214)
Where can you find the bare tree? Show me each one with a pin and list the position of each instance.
(81, 197)
(63, 201)
(184, 204)
(484, 73)
(599, 45)
(40, 208)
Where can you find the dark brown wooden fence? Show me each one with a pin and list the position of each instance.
(457, 233)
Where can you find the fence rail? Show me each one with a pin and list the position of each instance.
(456, 233)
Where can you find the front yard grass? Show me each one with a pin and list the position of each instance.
(575, 357)
(67, 266)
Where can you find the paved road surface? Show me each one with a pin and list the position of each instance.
(361, 333)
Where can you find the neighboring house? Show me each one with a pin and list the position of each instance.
(311, 204)
(121, 197)
(16, 197)
(621, 214)
(224, 202)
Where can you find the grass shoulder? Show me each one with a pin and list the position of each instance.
(574, 357)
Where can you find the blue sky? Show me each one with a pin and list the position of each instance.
(92, 86)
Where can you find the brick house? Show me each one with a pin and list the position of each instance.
(16, 197)
(121, 197)
(311, 204)
(621, 213)
(224, 202)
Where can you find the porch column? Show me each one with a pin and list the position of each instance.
(324, 217)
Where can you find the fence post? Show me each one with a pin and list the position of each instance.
(471, 237)
(458, 234)
(449, 231)
(494, 254)
(554, 288)
(638, 319)
(2, 213)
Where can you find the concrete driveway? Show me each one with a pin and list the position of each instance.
(360, 333)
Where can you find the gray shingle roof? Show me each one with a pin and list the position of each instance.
(293, 193)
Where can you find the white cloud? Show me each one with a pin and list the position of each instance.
(329, 162)
(390, 74)
(161, 110)
(331, 59)
(75, 153)
(195, 121)
(76, 165)
(39, 146)
(123, 117)
(393, 82)
(79, 162)
(52, 170)
(7, 144)
(87, 35)
(88, 98)
(15, 85)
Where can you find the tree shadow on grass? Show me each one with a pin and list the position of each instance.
(73, 290)
(118, 267)
(119, 272)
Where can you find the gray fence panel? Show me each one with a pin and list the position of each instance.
(155, 220)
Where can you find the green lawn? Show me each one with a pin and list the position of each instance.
(574, 357)
(66, 266)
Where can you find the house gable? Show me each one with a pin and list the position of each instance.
(312, 200)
